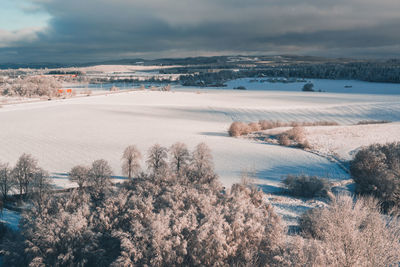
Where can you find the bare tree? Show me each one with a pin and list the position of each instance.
(202, 158)
(80, 175)
(6, 181)
(157, 159)
(24, 169)
(179, 157)
(131, 161)
(40, 186)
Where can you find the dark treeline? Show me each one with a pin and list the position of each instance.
(65, 72)
(364, 71)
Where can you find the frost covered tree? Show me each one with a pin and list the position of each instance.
(151, 222)
(131, 161)
(202, 167)
(180, 157)
(157, 159)
(24, 171)
(80, 175)
(351, 233)
(376, 171)
(30, 86)
(100, 177)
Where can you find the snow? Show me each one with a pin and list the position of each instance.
(325, 85)
(345, 141)
(64, 133)
(10, 218)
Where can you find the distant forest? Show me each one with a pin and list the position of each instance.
(388, 72)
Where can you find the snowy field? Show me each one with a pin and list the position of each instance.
(325, 85)
(64, 133)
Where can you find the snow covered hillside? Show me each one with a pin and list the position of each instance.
(64, 133)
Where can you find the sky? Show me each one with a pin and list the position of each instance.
(74, 31)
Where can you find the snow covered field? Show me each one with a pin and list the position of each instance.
(345, 141)
(325, 85)
(64, 133)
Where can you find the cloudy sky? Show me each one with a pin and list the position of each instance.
(95, 30)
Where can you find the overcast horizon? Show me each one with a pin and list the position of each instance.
(98, 30)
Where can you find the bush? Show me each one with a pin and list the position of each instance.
(308, 87)
(238, 129)
(284, 140)
(307, 186)
(376, 171)
(254, 127)
(296, 134)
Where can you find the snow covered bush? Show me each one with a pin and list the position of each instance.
(376, 171)
(254, 127)
(238, 128)
(307, 186)
(294, 137)
(284, 140)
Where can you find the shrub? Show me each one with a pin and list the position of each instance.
(376, 171)
(308, 87)
(238, 128)
(254, 127)
(284, 140)
(304, 144)
(296, 134)
(307, 186)
(265, 125)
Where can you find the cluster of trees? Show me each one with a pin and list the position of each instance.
(26, 178)
(30, 86)
(176, 213)
(376, 171)
(347, 232)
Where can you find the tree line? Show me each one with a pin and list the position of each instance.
(388, 72)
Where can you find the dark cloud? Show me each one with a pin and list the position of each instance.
(94, 30)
